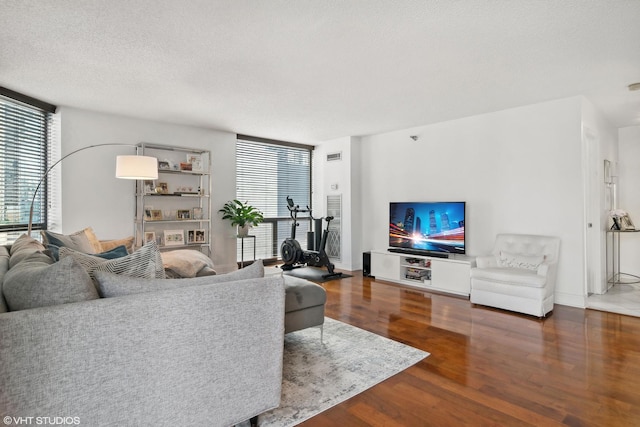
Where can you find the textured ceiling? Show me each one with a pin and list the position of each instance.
(314, 70)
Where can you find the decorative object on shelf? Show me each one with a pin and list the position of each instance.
(149, 236)
(198, 213)
(164, 165)
(185, 166)
(196, 162)
(183, 214)
(173, 237)
(621, 220)
(241, 214)
(162, 188)
(127, 167)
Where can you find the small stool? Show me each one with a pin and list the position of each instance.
(304, 304)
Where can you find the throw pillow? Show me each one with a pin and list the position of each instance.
(107, 245)
(39, 282)
(145, 262)
(83, 240)
(22, 248)
(112, 285)
(528, 262)
(185, 262)
(117, 252)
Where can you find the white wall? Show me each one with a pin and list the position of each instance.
(341, 178)
(92, 196)
(519, 170)
(629, 196)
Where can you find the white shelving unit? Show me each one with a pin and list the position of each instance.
(178, 201)
(450, 275)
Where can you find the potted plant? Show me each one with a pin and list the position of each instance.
(241, 214)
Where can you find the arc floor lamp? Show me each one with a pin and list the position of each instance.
(127, 167)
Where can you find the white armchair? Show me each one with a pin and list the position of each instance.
(520, 275)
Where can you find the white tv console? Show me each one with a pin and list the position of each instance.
(451, 275)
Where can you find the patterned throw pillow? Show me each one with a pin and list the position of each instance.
(145, 262)
(527, 262)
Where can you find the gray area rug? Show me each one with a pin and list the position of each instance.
(319, 375)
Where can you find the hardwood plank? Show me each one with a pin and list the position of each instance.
(489, 367)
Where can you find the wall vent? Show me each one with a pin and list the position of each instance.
(332, 157)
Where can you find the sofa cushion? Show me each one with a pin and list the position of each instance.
(83, 240)
(301, 294)
(144, 263)
(513, 276)
(38, 282)
(22, 248)
(513, 260)
(113, 285)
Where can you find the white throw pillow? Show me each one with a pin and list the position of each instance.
(528, 262)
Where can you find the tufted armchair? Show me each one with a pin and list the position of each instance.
(520, 275)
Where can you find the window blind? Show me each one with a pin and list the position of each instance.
(25, 131)
(266, 173)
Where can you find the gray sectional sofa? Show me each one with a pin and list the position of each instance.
(194, 353)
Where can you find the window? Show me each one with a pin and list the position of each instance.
(267, 172)
(25, 132)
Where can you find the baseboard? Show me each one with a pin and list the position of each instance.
(570, 300)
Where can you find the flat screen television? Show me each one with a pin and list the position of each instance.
(435, 228)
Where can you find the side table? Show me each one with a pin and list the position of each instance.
(242, 248)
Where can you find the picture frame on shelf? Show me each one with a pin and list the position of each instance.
(196, 162)
(198, 213)
(173, 237)
(149, 187)
(164, 165)
(627, 224)
(149, 236)
(154, 215)
(183, 214)
(201, 236)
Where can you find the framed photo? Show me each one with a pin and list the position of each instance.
(196, 236)
(148, 186)
(173, 237)
(627, 224)
(183, 214)
(164, 164)
(201, 236)
(153, 214)
(196, 162)
(149, 236)
(162, 188)
(197, 213)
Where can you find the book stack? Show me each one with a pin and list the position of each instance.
(418, 274)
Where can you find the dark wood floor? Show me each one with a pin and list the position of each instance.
(489, 367)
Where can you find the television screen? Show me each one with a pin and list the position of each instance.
(427, 226)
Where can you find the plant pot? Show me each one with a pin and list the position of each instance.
(243, 231)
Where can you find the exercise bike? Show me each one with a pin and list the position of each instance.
(315, 256)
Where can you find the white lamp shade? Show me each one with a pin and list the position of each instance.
(136, 167)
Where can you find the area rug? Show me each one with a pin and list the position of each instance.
(313, 274)
(318, 375)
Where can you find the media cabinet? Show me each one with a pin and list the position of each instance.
(450, 275)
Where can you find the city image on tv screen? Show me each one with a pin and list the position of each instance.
(427, 226)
